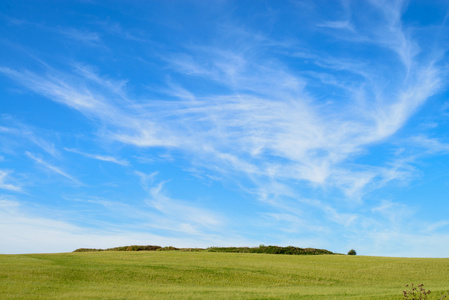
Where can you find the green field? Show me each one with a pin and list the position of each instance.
(208, 275)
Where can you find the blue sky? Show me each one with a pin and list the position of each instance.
(225, 123)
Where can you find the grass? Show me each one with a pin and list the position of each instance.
(209, 275)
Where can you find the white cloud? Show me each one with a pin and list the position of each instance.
(52, 168)
(8, 186)
(83, 36)
(6, 202)
(394, 212)
(402, 244)
(181, 215)
(23, 230)
(106, 158)
(22, 233)
(175, 209)
(22, 131)
(76, 93)
(60, 90)
(431, 145)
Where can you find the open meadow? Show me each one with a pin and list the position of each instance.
(206, 275)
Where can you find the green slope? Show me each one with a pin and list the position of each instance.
(209, 275)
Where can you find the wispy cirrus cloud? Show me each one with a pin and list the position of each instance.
(431, 145)
(79, 94)
(84, 36)
(269, 115)
(106, 158)
(183, 216)
(13, 127)
(180, 211)
(52, 168)
(5, 182)
(79, 35)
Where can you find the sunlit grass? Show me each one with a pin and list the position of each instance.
(174, 274)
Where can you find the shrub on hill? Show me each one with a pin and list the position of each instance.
(352, 252)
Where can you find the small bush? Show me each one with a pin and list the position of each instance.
(352, 252)
(419, 292)
(415, 292)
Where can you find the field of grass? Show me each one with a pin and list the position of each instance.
(209, 275)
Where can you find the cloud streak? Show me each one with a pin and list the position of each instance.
(8, 186)
(183, 216)
(21, 131)
(52, 168)
(106, 158)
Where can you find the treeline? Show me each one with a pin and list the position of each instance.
(290, 250)
(130, 248)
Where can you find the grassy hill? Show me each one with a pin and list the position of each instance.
(214, 275)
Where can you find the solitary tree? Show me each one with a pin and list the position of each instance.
(352, 252)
